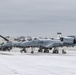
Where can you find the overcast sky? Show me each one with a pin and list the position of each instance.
(37, 17)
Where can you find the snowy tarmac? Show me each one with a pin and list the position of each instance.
(15, 63)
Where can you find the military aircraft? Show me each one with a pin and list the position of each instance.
(43, 44)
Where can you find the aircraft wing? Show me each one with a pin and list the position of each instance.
(51, 45)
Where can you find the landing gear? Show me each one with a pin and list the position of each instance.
(46, 51)
(9, 48)
(32, 52)
(40, 50)
(64, 52)
(55, 51)
(23, 50)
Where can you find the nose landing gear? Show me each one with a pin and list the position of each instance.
(64, 52)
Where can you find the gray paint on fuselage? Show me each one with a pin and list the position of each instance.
(47, 43)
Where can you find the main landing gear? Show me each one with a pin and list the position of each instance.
(23, 50)
(55, 51)
(40, 50)
(46, 51)
(32, 50)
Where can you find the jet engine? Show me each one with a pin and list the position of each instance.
(68, 40)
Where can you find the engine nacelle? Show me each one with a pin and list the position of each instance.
(68, 40)
(74, 41)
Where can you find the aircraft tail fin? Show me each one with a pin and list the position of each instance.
(4, 38)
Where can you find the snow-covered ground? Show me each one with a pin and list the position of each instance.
(15, 63)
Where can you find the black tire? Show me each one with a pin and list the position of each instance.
(21, 51)
(55, 51)
(4, 49)
(32, 52)
(39, 50)
(46, 51)
(25, 51)
(8, 49)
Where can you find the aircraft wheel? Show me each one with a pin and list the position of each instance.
(46, 51)
(25, 51)
(40, 50)
(55, 51)
(32, 52)
(21, 51)
(9, 48)
(4, 49)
